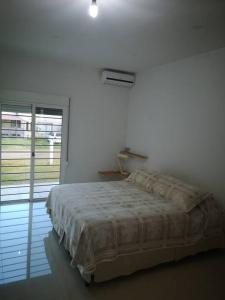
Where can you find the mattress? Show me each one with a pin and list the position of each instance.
(102, 222)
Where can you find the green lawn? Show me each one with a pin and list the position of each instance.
(22, 166)
(24, 144)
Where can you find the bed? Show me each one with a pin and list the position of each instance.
(116, 228)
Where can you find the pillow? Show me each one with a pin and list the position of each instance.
(187, 197)
(142, 178)
(184, 195)
(161, 187)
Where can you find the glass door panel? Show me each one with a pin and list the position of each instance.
(48, 144)
(15, 154)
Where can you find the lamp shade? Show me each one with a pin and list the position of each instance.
(122, 156)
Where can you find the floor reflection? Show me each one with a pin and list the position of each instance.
(23, 229)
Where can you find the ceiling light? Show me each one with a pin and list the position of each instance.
(93, 9)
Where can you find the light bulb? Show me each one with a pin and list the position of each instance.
(93, 9)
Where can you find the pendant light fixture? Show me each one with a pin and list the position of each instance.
(93, 9)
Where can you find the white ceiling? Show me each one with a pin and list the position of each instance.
(127, 34)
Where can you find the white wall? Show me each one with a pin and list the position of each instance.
(98, 114)
(177, 117)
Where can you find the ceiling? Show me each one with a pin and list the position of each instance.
(127, 34)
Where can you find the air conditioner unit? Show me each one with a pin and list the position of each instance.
(118, 78)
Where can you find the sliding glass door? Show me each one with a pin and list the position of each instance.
(30, 151)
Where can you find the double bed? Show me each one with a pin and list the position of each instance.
(116, 228)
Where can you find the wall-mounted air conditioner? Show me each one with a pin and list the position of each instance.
(118, 78)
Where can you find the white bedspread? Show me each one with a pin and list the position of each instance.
(100, 221)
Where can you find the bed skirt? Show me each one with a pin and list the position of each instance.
(128, 264)
(125, 265)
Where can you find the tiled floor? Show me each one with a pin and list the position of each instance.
(34, 266)
(23, 229)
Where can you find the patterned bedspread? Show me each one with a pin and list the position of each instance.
(100, 221)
